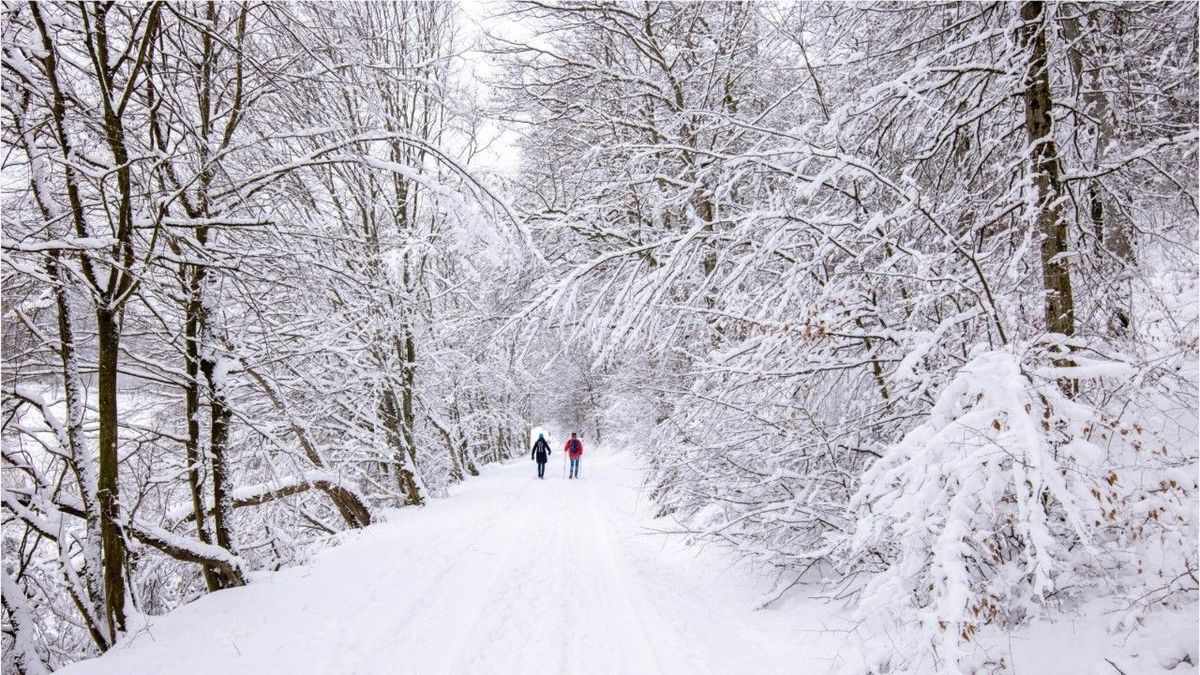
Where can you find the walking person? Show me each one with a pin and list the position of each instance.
(574, 450)
(541, 453)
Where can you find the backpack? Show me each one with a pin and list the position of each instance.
(573, 445)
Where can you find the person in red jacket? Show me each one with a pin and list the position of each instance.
(574, 450)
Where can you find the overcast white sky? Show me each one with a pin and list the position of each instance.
(499, 154)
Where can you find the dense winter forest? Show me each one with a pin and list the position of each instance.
(898, 302)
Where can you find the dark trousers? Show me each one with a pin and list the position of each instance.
(541, 469)
(575, 467)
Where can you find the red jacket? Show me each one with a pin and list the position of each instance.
(576, 451)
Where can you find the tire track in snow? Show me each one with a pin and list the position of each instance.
(497, 594)
(619, 578)
(415, 606)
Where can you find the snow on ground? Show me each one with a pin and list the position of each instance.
(509, 575)
(516, 575)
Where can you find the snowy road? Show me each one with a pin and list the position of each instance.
(510, 575)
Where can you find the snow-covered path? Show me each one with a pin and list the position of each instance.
(510, 575)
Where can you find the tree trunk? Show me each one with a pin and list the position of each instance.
(405, 480)
(408, 420)
(1045, 170)
(468, 459)
(1087, 60)
(108, 325)
(352, 509)
(219, 416)
(22, 625)
(110, 309)
(456, 469)
(192, 333)
(80, 459)
(464, 450)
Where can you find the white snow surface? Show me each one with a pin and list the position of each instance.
(509, 575)
(512, 574)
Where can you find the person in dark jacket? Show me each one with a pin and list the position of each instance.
(574, 450)
(541, 452)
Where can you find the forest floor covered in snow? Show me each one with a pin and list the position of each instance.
(512, 574)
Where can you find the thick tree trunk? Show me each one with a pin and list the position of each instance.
(1046, 172)
(228, 566)
(219, 416)
(81, 462)
(110, 309)
(108, 324)
(405, 479)
(192, 333)
(202, 336)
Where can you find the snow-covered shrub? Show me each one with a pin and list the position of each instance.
(1012, 498)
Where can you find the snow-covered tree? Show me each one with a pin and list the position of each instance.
(244, 306)
(817, 221)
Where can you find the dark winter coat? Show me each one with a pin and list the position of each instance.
(574, 448)
(541, 450)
